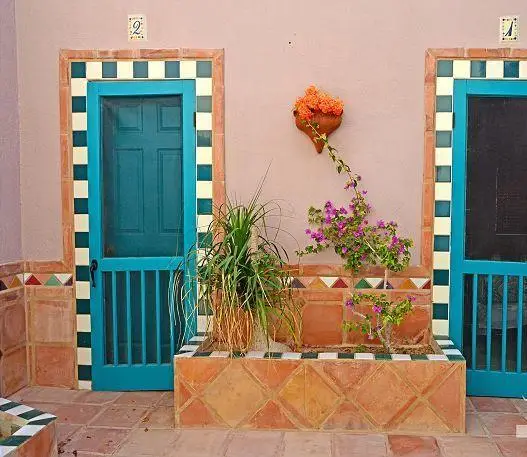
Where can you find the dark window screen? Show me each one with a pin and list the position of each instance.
(496, 198)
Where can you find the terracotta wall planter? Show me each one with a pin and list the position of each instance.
(327, 123)
(326, 391)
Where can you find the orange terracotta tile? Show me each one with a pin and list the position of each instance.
(96, 440)
(428, 202)
(467, 446)
(347, 417)
(322, 325)
(96, 398)
(198, 372)
(449, 399)
(310, 396)
(413, 446)
(234, 394)
(486, 53)
(430, 67)
(43, 444)
(270, 416)
(55, 366)
(421, 419)
(415, 328)
(14, 371)
(52, 321)
(512, 447)
(271, 373)
(13, 325)
(182, 395)
(519, 53)
(349, 375)
(502, 423)
(160, 417)
(196, 414)
(493, 405)
(120, 416)
(140, 398)
(422, 376)
(385, 395)
(447, 52)
(77, 414)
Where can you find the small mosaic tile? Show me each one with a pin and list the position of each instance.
(444, 68)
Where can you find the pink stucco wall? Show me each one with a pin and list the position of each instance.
(10, 233)
(371, 54)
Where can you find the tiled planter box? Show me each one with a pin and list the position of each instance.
(26, 432)
(322, 391)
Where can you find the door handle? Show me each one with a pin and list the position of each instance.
(93, 267)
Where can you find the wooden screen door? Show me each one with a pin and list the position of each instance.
(489, 235)
(142, 210)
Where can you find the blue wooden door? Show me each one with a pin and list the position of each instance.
(489, 235)
(141, 173)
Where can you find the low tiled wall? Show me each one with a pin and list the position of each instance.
(322, 391)
(13, 361)
(35, 434)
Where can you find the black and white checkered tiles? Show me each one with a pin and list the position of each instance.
(33, 422)
(449, 352)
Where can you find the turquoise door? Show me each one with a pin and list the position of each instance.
(489, 235)
(142, 212)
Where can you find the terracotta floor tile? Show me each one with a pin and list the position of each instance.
(502, 423)
(139, 398)
(48, 395)
(45, 407)
(474, 425)
(521, 404)
(97, 398)
(512, 446)
(160, 417)
(299, 444)
(469, 407)
(493, 405)
(93, 439)
(200, 443)
(167, 399)
(413, 446)
(467, 446)
(348, 445)
(244, 444)
(77, 414)
(151, 442)
(119, 416)
(65, 431)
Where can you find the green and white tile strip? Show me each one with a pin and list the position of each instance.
(81, 72)
(33, 420)
(448, 352)
(447, 72)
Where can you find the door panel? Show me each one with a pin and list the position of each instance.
(489, 236)
(142, 176)
(141, 150)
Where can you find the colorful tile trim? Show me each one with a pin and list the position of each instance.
(201, 71)
(36, 279)
(33, 421)
(448, 352)
(339, 282)
(448, 70)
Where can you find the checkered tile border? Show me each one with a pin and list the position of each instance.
(81, 72)
(448, 352)
(34, 421)
(447, 71)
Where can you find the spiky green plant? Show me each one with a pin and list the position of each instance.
(243, 277)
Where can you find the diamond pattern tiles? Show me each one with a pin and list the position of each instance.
(336, 282)
(29, 279)
(379, 395)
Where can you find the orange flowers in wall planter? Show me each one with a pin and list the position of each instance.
(318, 113)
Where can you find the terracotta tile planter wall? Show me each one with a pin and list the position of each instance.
(13, 362)
(406, 396)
